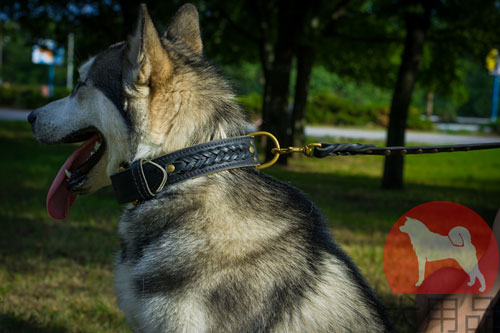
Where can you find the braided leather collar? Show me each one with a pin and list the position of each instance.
(144, 179)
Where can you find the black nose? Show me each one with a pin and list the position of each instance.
(32, 117)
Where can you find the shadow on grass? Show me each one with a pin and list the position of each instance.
(25, 238)
(358, 202)
(12, 323)
(89, 234)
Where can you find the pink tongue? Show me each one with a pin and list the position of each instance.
(59, 199)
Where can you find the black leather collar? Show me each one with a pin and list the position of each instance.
(144, 179)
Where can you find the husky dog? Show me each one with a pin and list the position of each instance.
(233, 251)
(430, 246)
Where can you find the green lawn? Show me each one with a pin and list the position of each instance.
(56, 276)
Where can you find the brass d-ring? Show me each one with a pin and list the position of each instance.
(276, 146)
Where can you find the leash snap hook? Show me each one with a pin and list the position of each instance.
(309, 149)
(306, 150)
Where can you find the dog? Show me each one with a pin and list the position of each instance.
(430, 246)
(232, 251)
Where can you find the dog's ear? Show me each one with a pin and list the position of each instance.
(185, 27)
(145, 55)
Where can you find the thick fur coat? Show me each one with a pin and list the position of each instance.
(235, 251)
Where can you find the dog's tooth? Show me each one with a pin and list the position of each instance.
(68, 174)
(97, 145)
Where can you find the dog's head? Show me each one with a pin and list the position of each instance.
(137, 99)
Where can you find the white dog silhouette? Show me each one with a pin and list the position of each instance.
(430, 246)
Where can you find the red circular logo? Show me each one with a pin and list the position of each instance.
(440, 247)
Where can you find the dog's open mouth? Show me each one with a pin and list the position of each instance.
(71, 178)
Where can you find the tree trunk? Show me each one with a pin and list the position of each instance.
(277, 86)
(305, 59)
(429, 104)
(266, 52)
(416, 29)
(276, 99)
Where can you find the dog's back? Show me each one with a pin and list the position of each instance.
(239, 252)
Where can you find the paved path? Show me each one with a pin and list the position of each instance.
(337, 133)
(417, 137)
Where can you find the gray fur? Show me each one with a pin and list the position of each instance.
(106, 75)
(265, 281)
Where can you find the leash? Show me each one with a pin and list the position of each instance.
(324, 149)
(145, 178)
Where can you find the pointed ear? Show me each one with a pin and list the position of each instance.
(145, 55)
(185, 27)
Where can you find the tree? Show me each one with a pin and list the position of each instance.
(458, 28)
(286, 31)
(281, 25)
(417, 24)
(386, 37)
(322, 21)
(96, 23)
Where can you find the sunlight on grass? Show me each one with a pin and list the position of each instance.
(56, 276)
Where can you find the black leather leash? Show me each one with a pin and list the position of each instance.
(145, 178)
(329, 149)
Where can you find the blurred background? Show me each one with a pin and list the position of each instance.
(422, 65)
(380, 71)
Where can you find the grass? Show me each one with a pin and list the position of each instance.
(56, 276)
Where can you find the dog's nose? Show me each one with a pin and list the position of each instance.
(32, 117)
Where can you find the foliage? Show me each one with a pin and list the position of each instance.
(360, 92)
(371, 42)
(494, 126)
(416, 122)
(252, 104)
(17, 67)
(362, 47)
(328, 108)
(55, 19)
(247, 77)
(366, 46)
(27, 97)
(469, 95)
(479, 85)
(331, 109)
